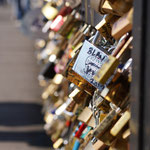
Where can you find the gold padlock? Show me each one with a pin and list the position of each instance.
(106, 70)
(85, 115)
(115, 7)
(120, 123)
(105, 26)
(110, 66)
(122, 25)
(79, 95)
(49, 11)
(77, 79)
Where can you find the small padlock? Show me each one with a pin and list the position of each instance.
(105, 27)
(105, 124)
(79, 95)
(99, 145)
(117, 90)
(49, 11)
(106, 70)
(85, 115)
(120, 123)
(70, 22)
(47, 71)
(102, 132)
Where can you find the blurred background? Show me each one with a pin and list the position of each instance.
(21, 121)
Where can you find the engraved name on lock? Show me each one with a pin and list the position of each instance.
(88, 62)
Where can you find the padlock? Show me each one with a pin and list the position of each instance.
(102, 132)
(49, 11)
(71, 106)
(105, 27)
(79, 36)
(57, 23)
(58, 143)
(99, 145)
(79, 130)
(115, 7)
(89, 60)
(108, 68)
(120, 123)
(122, 25)
(74, 44)
(70, 22)
(79, 95)
(85, 115)
(104, 125)
(65, 10)
(117, 90)
(72, 76)
(126, 134)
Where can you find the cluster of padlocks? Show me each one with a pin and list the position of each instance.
(86, 74)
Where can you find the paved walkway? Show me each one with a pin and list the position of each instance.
(21, 122)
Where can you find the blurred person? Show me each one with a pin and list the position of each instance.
(2, 2)
(21, 7)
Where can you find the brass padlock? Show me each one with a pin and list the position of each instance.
(122, 25)
(79, 95)
(119, 144)
(120, 123)
(105, 27)
(117, 90)
(49, 11)
(108, 68)
(115, 7)
(85, 115)
(70, 22)
(99, 145)
(102, 131)
(77, 79)
(89, 60)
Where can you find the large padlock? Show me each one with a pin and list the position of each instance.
(72, 76)
(89, 61)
